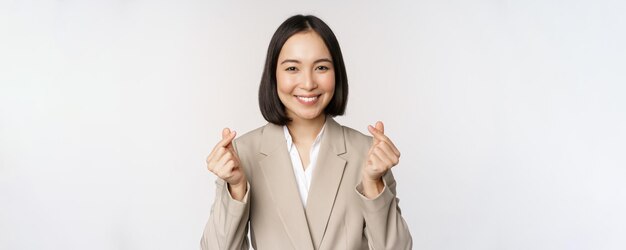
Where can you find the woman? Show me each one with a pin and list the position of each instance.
(303, 181)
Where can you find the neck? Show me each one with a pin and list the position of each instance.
(302, 130)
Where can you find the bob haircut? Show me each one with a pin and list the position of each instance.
(272, 108)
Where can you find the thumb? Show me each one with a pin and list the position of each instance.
(228, 135)
(377, 128)
(380, 126)
(225, 133)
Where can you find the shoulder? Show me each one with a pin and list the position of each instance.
(356, 139)
(251, 139)
(355, 135)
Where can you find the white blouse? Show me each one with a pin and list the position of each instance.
(303, 177)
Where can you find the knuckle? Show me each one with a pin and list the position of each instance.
(228, 156)
(230, 164)
(227, 176)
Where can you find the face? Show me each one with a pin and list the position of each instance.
(305, 76)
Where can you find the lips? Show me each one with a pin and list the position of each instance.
(308, 100)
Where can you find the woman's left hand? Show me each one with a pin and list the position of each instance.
(382, 156)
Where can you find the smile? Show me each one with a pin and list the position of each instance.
(308, 100)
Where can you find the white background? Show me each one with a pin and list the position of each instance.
(510, 116)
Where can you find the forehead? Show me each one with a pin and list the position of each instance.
(304, 46)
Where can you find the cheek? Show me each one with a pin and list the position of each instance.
(283, 84)
(327, 82)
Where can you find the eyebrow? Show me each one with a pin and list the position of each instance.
(316, 61)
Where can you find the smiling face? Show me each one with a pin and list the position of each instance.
(305, 76)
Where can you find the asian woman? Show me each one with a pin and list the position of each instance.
(303, 181)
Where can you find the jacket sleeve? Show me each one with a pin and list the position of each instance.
(384, 226)
(227, 227)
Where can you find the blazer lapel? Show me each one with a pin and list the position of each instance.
(278, 173)
(326, 180)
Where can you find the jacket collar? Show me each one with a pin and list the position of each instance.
(273, 137)
(303, 224)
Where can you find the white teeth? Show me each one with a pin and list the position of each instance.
(307, 99)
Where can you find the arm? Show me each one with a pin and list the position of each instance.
(384, 226)
(227, 227)
(228, 223)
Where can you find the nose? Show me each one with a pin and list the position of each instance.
(308, 82)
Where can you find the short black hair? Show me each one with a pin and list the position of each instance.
(271, 107)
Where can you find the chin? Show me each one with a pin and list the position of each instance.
(309, 116)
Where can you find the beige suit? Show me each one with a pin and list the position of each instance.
(337, 216)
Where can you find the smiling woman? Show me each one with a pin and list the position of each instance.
(303, 181)
(302, 42)
(306, 77)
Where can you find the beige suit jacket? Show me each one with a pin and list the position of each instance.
(336, 216)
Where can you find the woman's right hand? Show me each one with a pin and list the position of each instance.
(224, 162)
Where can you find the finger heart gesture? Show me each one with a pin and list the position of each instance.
(225, 164)
(382, 156)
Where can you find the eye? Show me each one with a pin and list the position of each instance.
(290, 68)
(322, 68)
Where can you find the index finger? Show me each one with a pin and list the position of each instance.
(377, 133)
(224, 142)
(227, 139)
(382, 137)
